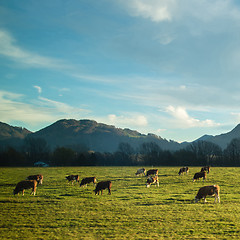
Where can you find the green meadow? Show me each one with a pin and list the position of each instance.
(61, 210)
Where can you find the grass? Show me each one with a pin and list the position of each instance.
(64, 211)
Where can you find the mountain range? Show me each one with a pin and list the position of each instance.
(100, 137)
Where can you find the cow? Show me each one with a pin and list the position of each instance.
(203, 192)
(38, 178)
(26, 184)
(103, 185)
(141, 171)
(87, 180)
(183, 170)
(152, 180)
(199, 175)
(206, 169)
(152, 172)
(73, 178)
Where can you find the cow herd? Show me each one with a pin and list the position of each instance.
(32, 181)
(203, 192)
(152, 178)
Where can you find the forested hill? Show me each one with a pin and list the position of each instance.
(10, 135)
(224, 139)
(87, 135)
(95, 136)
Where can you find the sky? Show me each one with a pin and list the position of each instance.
(166, 67)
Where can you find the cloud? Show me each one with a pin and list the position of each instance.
(13, 108)
(9, 49)
(169, 10)
(131, 120)
(156, 11)
(182, 118)
(39, 89)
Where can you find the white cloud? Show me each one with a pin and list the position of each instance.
(14, 109)
(156, 11)
(167, 10)
(127, 121)
(9, 49)
(39, 89)
(182, 118)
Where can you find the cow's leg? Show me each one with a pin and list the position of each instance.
(158, 184)
(205, 200)
(101, 192)
(109, 191)
(23, 192)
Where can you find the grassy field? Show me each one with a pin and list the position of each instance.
(64, 211)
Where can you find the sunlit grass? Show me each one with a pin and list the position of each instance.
(64, 211)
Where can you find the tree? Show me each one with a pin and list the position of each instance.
(205, 152)
(151, 152)
(63, 156)
(36, 149)
(124, 154)
(232, 153)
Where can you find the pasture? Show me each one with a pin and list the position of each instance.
(61, 210)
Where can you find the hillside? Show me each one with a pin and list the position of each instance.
(96, 136)
(10, 135)
(224, 139)
(91, 135)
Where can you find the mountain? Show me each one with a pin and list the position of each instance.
(96, 136)
(10, 135)
(224, 139)
(91, 135)
(204, 138)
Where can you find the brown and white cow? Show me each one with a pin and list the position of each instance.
(103, 185)
(88, 180)
(38, 178)
(206, 169)
(203, 192)
(152, 172)
(152, 180)
(183, 170)
(72, 178)
(141, 171)
(26, 184)
(199, 175)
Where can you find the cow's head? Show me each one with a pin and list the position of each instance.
(196, 199)
(40, 180)
(15, 191)
(149, 181)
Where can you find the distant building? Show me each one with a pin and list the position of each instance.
(41, 164)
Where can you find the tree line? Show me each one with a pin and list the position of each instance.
(198, 153)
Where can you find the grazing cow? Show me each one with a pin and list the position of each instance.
(203, 192)
(141, 171)
(152, 180)
(199, 175)
(38, 178)
(152, 172)
(103, 185)
(73, 178)
(183, 170)
(26, 184)
(87, 180)
(206, 169)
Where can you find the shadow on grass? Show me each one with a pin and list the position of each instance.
(7, 185)
(167, 202)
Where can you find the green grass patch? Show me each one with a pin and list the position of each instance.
(61, 210)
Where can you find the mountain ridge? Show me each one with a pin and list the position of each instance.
(99, 136)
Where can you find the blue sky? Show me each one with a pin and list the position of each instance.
(166, 67)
